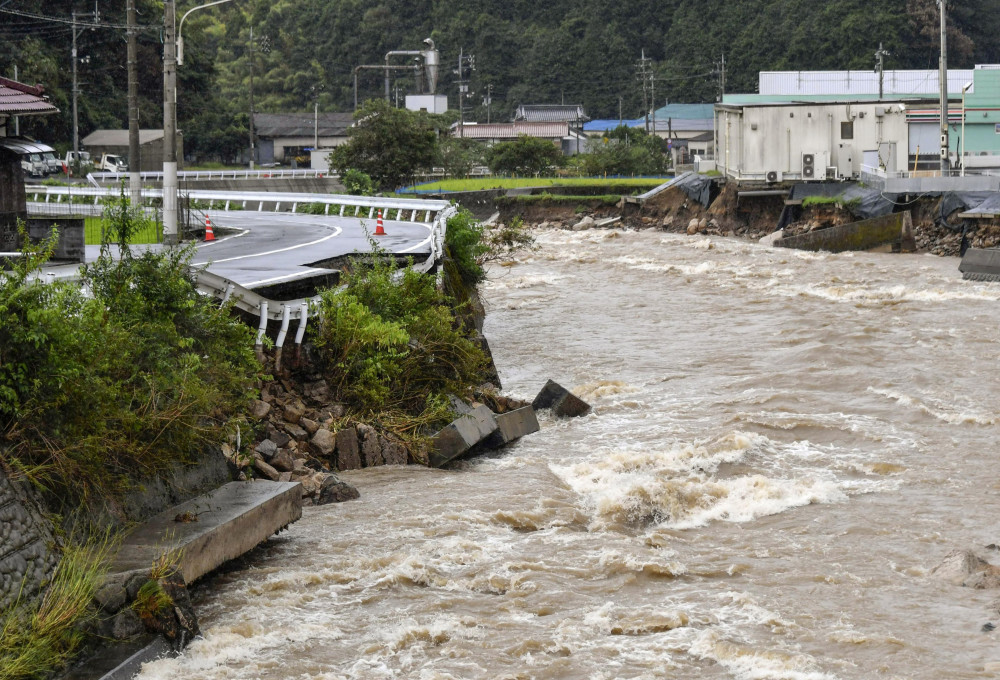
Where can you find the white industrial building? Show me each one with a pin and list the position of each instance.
(775, 142)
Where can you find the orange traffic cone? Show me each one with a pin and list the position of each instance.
(379, 231)
(209, 234)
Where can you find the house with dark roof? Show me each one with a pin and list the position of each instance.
(283, 136)
(551, 113)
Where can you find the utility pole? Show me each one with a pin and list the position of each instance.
(134, 181)
(253, 145)
(652, 97)
(489, 100)
(170, 235)
(722, 78)
(76, 83)
(943, 81)
(17, 119)
(463, 85)
(619, 112)
(642, 79)
(76, 93)
(880, 67)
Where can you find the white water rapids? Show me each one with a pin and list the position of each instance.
(783, 445)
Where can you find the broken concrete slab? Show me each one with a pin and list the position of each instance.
(560, 400)
(461, 435)
(512, 426)
(205, 532)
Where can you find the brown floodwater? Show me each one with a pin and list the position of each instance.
(783, 445)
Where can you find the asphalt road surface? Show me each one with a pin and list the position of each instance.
(270, 248)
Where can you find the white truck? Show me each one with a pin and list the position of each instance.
(77, 163)
(112, 163)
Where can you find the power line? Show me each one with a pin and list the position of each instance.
(71, 22)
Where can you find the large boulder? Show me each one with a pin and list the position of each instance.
(335, 490)
(560, 400)
(324, 442)
(966, 568)
(348, 450)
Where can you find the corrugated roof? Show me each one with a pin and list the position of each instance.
(549, 113)
(554, 130)
(895, 83)
(18, 99)
(302, 124)
(119, 137)
(686, 112)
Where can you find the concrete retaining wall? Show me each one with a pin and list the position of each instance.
(27, 544)
(71, 245)
(863, 235)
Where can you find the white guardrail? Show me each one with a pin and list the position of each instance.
(264, 173)
(435, 216)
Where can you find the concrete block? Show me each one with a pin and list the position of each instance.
(512, 426)
(229, 522)
(560, 400)
(981, 264)
(461, 435)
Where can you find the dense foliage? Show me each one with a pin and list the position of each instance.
(98, 391)
(625, 151)
(389, 343)
(389, 145)
(523, 156)
(577, 51)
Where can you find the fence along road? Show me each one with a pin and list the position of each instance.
(257, 249)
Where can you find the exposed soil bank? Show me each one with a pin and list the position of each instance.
(753, 217)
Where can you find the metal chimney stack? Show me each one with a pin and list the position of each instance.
(432, 60)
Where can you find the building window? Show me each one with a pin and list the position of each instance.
(847, 129)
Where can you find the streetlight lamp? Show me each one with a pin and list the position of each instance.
(964, 144)
(180, 28)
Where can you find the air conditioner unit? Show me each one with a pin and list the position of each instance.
(774, 176)
(808, 166)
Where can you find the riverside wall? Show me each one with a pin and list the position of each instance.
(28, 545)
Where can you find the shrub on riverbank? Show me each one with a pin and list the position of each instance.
(99, 390)
(390, 346)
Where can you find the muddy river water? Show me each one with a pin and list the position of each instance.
(783, 445)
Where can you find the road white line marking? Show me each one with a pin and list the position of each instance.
(426, 241)
(336, 233)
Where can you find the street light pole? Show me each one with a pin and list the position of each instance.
(943, 82)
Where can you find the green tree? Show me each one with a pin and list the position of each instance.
(625, 151)
(459, 156)
(524, 156)
(387, 144)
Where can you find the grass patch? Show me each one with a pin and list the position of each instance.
(96, 232)
(830, 201)
(483, 183)
(40, 638)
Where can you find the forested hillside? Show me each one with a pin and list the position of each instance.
(577, 51)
